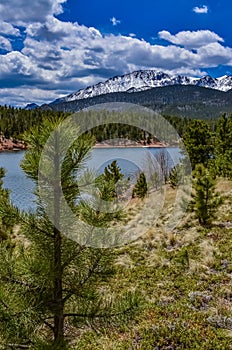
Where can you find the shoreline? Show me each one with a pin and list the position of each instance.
(8, 145)
(11, 145)
(155, 145)
(12, 150)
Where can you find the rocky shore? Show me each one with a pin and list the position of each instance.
(11, 144)
(17, 145)
(128, 144)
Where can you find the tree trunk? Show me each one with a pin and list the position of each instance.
(58, 295)
(58, 271)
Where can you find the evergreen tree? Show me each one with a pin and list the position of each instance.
(50, 284)
(223, 139)
(6, 224)
(223, 146)
(176, 175)
(141, 188)
(112, 174)
(223, 164)
(205, 200)
(110, 182)
(198, 142)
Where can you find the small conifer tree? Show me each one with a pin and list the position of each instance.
(107, 182)
(141, 188)
(176, 176)
(205, 200)
(50, 284)
(223, 147)
(198, 143)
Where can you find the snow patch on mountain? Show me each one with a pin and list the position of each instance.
(144, 80)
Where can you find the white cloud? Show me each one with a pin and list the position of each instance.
(203, 9)
(67, 51)
(214, 54)
(132, 35)
(21, 97)
(16, 64)
(115, 21)
(20, 12)
(5, 44)
(188, 39)
(61, 57)
(8, 29)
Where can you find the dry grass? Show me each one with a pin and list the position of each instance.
(184, 277)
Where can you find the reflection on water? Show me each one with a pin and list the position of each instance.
(130, 160)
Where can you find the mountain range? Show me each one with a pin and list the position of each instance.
(181, 95)
(144, 80)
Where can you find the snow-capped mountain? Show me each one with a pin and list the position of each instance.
(144, 80)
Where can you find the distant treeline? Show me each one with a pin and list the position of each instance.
(15, 121)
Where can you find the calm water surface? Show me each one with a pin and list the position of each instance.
(20, 186)
(130, 161)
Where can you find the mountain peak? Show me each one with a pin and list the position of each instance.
(31, 106)
(146, 79)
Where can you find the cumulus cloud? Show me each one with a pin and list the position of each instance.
(15, 64)
(8, 29)
(59, 57)
(21, 12)
(5, 44)
(58, 32)
(21, 97)
(203, 9)
(215, 54)
(191, 39)
(115, 21)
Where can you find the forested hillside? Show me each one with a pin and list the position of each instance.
(15, 121)
(183, 101)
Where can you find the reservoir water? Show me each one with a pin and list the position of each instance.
(130, 161)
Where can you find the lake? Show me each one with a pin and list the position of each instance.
(130, 161)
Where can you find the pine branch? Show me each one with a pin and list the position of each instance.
(81, 248)
(49, 325)
(33, 225)
(16, 281)
(20, 282)
(91, 271)
(75, 292)
(94, 316)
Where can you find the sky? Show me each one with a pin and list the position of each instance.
(50, 48)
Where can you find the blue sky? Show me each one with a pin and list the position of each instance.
(50, 48)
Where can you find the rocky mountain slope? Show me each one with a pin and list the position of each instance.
(145, 80)
(180, 100)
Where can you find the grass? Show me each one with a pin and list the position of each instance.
(184, 279)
